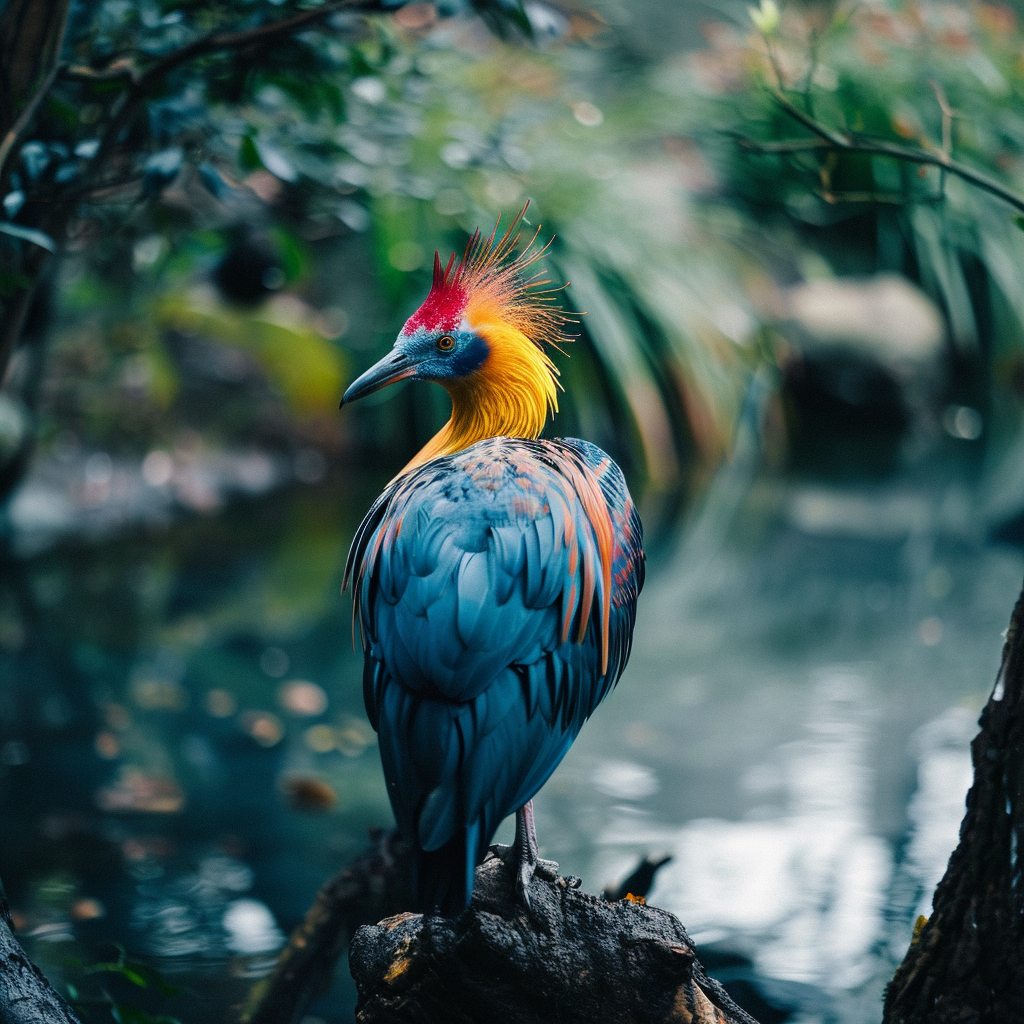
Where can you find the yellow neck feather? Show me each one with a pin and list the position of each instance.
(511, 395)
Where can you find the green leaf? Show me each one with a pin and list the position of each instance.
(1019, 221)
(40, 238)
(248, 154)
(138, 973)
(135, 973)
(11, 283)
(132, 1015)
(503, 15)
(766, 18)
(294, 260)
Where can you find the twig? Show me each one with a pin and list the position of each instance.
(120, 71)
(830, 140)
(947, 128)
(10, 140)
(876, 198)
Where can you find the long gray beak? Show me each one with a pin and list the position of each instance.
(393, 367)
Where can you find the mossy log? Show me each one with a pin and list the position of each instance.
(570, 957)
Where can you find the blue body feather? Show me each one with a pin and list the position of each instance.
(470, 576)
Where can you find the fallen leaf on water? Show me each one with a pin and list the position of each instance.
(308, 794)
(137, 791)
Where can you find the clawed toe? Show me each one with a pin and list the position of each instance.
(547, 870)
(524, 876)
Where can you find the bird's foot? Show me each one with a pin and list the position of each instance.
(528, 862)
(546, 870)
(527, 870)
(524, 876)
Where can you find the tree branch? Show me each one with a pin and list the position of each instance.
(19, 127)
(250, 37)
(375, 885)
(120, 71)
(31, 38)
(831, 141)
(212, 43)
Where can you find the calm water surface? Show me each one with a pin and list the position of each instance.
(793, 729)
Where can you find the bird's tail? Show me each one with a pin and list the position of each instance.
(443, 878)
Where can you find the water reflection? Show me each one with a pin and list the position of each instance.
(793, 729)
(182, 742)
(193, 915)
(184, 757)
(803, 882)
(944, 774)
(251, 928)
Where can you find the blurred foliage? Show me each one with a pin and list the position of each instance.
(348, 155)
(305, 368)
(309, 178)
(101, 1005)
(940, 77)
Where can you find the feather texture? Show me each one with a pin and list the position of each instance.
(495, 594)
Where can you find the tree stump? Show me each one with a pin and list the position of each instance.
(571, 958)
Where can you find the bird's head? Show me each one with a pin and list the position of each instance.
(481, 333)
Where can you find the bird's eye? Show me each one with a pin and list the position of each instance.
(446, 343)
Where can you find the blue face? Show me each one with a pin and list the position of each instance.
(443, 355)
(425, 355)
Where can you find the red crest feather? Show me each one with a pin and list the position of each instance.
(490, 280)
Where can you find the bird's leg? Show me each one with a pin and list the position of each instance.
(528, 861)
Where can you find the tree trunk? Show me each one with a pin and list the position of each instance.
(966, 965)
(26, 997)
(571, 958)
(31, 36)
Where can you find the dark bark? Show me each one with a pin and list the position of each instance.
(26, 997)
(572, 958)
(375, 885)
(31, 34)
(966, 965)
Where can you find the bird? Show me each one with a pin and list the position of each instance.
(494, 580)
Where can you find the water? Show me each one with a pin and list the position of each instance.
(179, 709)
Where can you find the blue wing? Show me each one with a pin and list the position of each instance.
(495, 594)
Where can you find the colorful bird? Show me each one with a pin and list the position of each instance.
(495, 580)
